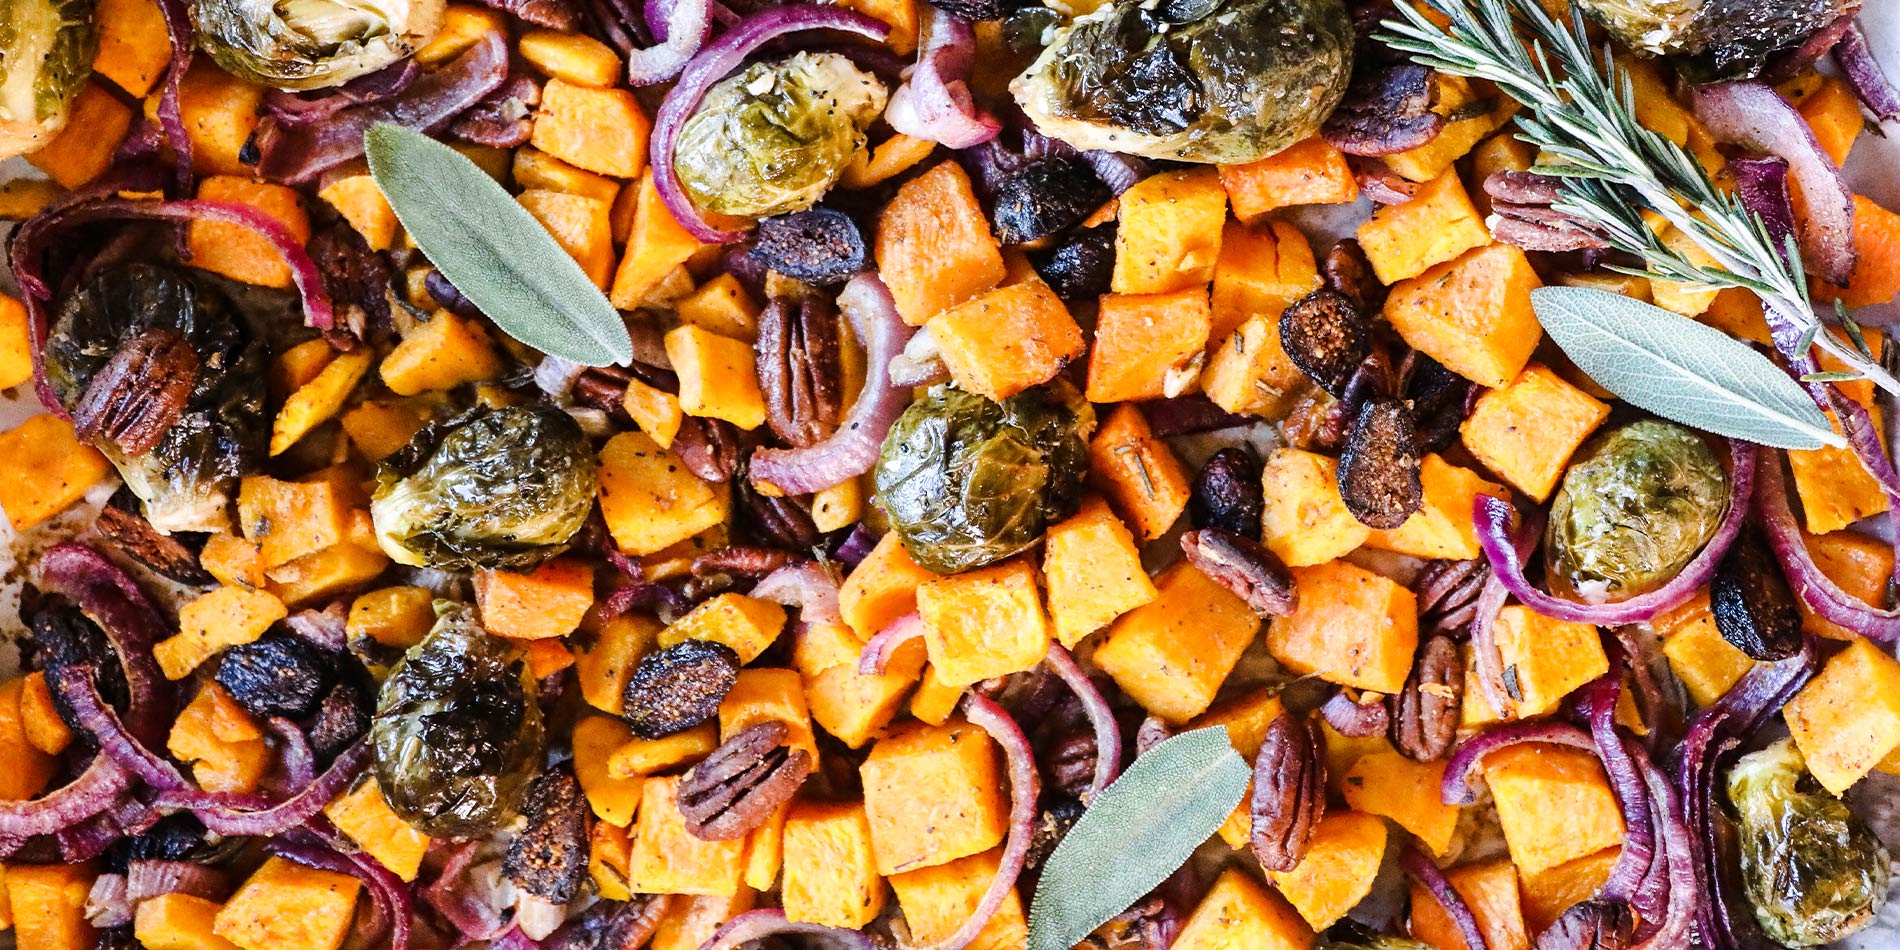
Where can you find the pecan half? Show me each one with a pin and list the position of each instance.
(741, 561)
(1289, 793)
(1521, 214)
(775, 521)
(121, 524)
(801, 369)
(710, 448)
(1380, 183)
(1386, 111)
(740, 785)
(503, 118)
(1448, 594)
(1245, 567)
(140, 392)
(1349, 272)
(602, 387)
(1424, 715)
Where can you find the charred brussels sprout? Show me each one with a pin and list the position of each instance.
(457, 732)
(494, 488)
(220, 431)
(1813, 871)
(1715, 39)
(309, 44)
(1226, 81)
(967, 481)
(46, 49)
(1637, 507)
(773, 137)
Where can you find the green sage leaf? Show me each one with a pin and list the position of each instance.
(1137, 832)
(493, 250)
(1682, 370)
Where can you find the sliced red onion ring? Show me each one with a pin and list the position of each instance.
(130, 620)
(106, 904)
(1108, 732)
(1187, 415)
(935, 102)
(1494, 515)
(1119, 172)
(805, 585)
(760, 924)
(1815, 588)
(1597, 702)
(884, 643)
(147, 878)
(514, 939)
(327, 628)
(170, 116)
(1762, 184)
(81, 694)
(1487, 658)
(386, 891)
(679, 29)
(1685, 897)
(712, 64)
(385, 83)
(1420, 868)
(227, 819)
(1354, 720)
(455, 897)
(93, 792)
(852, 450)
(300, 764)
(1753, 115)
(1457, 789)
(1870, 83)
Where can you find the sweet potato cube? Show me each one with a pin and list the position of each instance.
(1305, 521)
(441, 353)
(614, 796)
(319, 400)
(48, 903)
(1442, 527)
(1706, 663)
(1490, 890)
(579, 224)
(1833, 112)
(39, 717)
(1544, 659)
(1172, 654)
(332, 572)
(638, 758)
(1139, 474)
(291, 519)
(656, 246)
(1352, 627)
(937, 900)
(178, 922)
(1548, 893)
(1876, 277)
(1688, 298)
(608, 850)
(1836, 490)
(850, 705)
(570, 57)
(289, 905)
(1405, 240)
(1148, 345)
(548, 601)
(1170, 232)
(1472, 314)
(723, 306)
(1856, 563)
(1249, 373)
(95, 125)
(718, 376)
(656, 411)
(933, 244)
(984, 623)
(1526, 432)
(48, 469)
(1456, 96)
(358, 199)
(1392, 786)
(134, 45)
(768, 695)
(1847, 719)
(933, 794)
(365, 818)
(934, 700)
(690, 922)
(604, 658)
(830, 873)
(900, 14)
(669, 860)
(223, 743)
(1238, 913)
(1553, 802)
(601, 130)
(29, 767)
(1092, 570)
(1262, 269)
(1007, 340)
(16, 349)
(380, 428)
(223, 617)
(463, 25)
(537, 170)
(649, 498)
(882, 588)
(220, 112)
(1338, 870)
(235, 251)
(746, 624)
(1308, 172)
(392, 616)
(1246, 718)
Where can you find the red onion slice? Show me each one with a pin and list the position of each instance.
(1597, 702)
(1762, 184)
(935, 102)
(853, 448)
(130, 620)
(805, 585)
(1355, 720)
(149, 878)
(712, 64)
(1685, 896)
(1815, 588)
(1869, 82)
(106, 904)
(760, 924)
(454, 896)
(1420, 868)
(1119, 172)
(884, 643)
(170, 115)
(93, 792)
(1108, 732)
(1457, 789)
(679, 29)
(228, 819)
(1753, 115)
(1494, 516)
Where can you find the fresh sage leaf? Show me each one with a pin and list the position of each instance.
(493, 250)
(1680, 369)
(1138, 831)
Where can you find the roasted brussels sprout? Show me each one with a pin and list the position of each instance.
(1637, 507)
(1225, 81)
(492, 488)
(773, 137)
(1715, 39)
(309, 44)
(1812, 869)
(457, 733)
(967, 481)
(219, 432)
(46, 49)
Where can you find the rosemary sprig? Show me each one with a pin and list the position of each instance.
(1610, 169)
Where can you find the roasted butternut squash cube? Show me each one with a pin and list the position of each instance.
(1007, 340)
(537, 170)
(722, 306)
(1857, 564)
(234, 561)
(48, 904)
(365, 818)
(463, 25)
(358, 199)
(901, 15)
(335, 571)
(850, 705)
(769, 695)
(1092, 570)
(134, 45)
(1392, 786)
(16, 349)
(380, 428)
(443, 352)
(1554, 804)
(839, 507)
(1437, 226)
(291, 519)
(548, 601)
(1548, 893)
(222, 742)
(392, 616)
(831, 875)
(223, 617)
(178, 922)
(29, 768)
(934, 701)
(1249, 373)
(237, 252)
(39, 717)
(1490, 890)
(48, 469)
(984, 623)
(1706, 663)
(604, 658)
(1876, 279)
(1148, 345)
(95, 125)
(656, 411)
(933, 794)
(288, 905)
(937, 900)
(614, 795)
(1505, 152)
(1305, 522)
(1472, 314)
(1261, 270)
(608, 851)
(1172, 654)
(220, 113)
(1352, 627)
(601, 130)
(1836, 490)
(656, 246)
(579, 224)
(1246, 718)
(319, 400)
(1170, 232)
(1442, 527)
(570, 57)
(933, 244)
(882, 588)
(1309, 172)
(1238, 913)
(649, 498)
(1526, 432)
(638, 758)
(667, 859)
(1688, 298)
(1833, 113)
(1338, 870)
(690, 922)
(1139, 475)
(1544, 659)
(718, 376)
(1457, 96)
(746, 624)
(1847, 719)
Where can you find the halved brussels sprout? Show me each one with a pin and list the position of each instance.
(1812, 869)
(492, 488)
(967, 481)
(774, 137)
(1715, 39)
(46, 49)
(1226, 81)
(309, 44)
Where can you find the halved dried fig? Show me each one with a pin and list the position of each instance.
(1326, 338)
(674, 689)
(1754, 608)
(1386, 111)
(1379, 470)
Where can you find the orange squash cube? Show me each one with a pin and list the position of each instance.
(1544, 659)
(548, 601)
(365, 818)
(1442, 527)
(1246, 718)
(1338, 870)
(16, 350)
(222, 617)
(1876, 279)
(1554, 804)
(223, 743)
(1092, 570)
(656, 246)
(769, 695)
(48, 904)
(1706, 663)
(1526, 432)
(882, 588)
(649, 498)
(1261, 270)
(1309, 172)
(722, 306)
(1139, 474)
(48, 469)
(284, 904)
(933, 794)
(235, 251)
(134, 45)
(1170, 232)
(746, 624)
(667, 859)
(614, 795)
(830, 873)
(1148, 345)
(718, 376)
(570, 57)
(984, 623)
(1858, 564)
(1548, 893)
(852, 706)
(1390, 785)
(1305, 522)
(601, 130)
(178, 922)
(289, 520)
(220, 113)
(1172, 654)
(604, 658)
(1505, 152)
(95, 125)
(937, 900)
(1490, 890)
(1238, 913)
(638, 758)
(1472, 314)
(1456, 97)
(29, 767)
(1437, 226)
(1007, 340)
(1836, 490)
(1847, 719)
(439, 354)
(1249, 373)
(332, 572)
(39, 717)
(690, 922)
(1352, 627)
(933, 244)
(579, 224)
(934, 701)
(392, 616)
